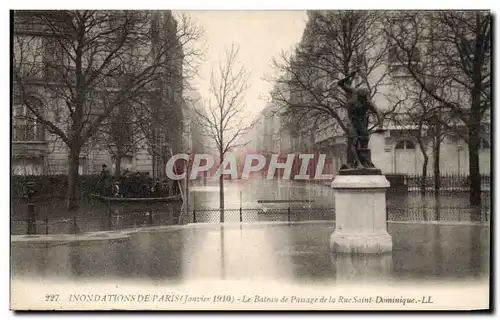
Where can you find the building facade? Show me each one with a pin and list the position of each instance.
(399, 150)
(36, 150)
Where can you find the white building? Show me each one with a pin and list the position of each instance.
(400, 152)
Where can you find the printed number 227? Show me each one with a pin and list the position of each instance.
(51, 297)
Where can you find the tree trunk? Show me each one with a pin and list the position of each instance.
(474, 123)
(422, 146)
(474, 175)
(221, 190)
(437, 158)
(221, 198)
(118, 165)
(73, 164)
(186, 181)
(424, 173)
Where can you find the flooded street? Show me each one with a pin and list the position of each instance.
(291, 253)
(259, 200)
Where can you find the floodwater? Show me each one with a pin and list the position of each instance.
(297, 252)
(202, 203)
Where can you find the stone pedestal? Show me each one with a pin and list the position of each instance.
(362, 268)
(360, 209)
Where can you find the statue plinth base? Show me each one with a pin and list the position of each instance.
(360, 172)
(360, 209)
(365, 157)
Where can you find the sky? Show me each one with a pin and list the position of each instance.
(260, 35)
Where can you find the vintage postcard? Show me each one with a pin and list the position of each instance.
(250, 160)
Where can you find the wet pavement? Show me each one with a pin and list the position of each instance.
(293, 253)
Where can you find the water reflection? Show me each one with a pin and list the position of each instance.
(440, 251)
(106, 217)
(155, 256)
(295, 252)
(362, 268)
(222, 256)
(75, 260)
(223, 252)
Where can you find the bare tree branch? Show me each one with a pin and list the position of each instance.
(333, 44)
(89, 64)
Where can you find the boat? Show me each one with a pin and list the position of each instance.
(276, 206)
(174, 198)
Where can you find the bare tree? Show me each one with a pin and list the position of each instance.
(334, 43)
(448, 55)
(158, 114)
(118, 134)
(199, 143)
(87, 63)
(417, 112)
(224, 120)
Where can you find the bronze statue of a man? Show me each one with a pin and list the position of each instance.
(358, 107)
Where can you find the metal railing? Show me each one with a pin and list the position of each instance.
(119, 219)
(447, 183)
(256, 215)
(33, 216)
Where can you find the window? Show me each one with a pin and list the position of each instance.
(116, 19)
(404, 27)
(126, 164)
(31, 166)
(405, 144)
(485, 144)
(56, 63)
(53, 50)
(27, 56)
(187, 126)
(25, 126)
(83, 167)
(398, 56)
(405, 24)
(396, 62)
(394, 54)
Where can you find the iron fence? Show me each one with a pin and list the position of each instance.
(119, 219)
(108, 218)
(447, 183)
(253, 215)
(439, 214)
(47, 216)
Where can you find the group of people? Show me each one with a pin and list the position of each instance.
(138, 185)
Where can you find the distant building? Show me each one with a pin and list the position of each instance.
(194, 138)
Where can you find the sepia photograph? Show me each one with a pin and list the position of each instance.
(250, 160)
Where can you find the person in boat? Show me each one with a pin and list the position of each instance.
(104, 181)
(136, 186)
(148, 185)
(142, 186)
(126, 189)
(156, 189)
(164, 188)
(116, 189)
